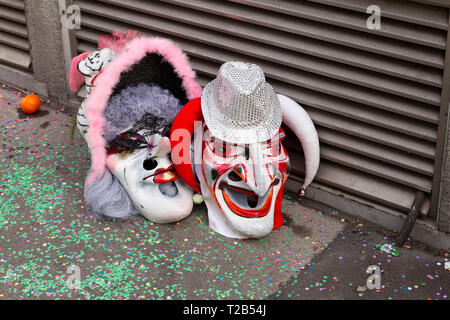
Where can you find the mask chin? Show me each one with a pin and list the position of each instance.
(247, 213)
(168, 189)
(163, 202)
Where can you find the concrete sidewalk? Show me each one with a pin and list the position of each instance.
(44, 230)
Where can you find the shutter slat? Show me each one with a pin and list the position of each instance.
(203, 80)
(307, 63)
(248, 12)
(311, 47)
(16, 4)
(14, 57)
(418, 54)
(12, 14)
(373, 80)
(320, 100)
(366, 131)
(339, 89)
(14, 41)
(371, 133)
(368, 96)
(365, 185)
(14, 46)
(346, 125)
(376, 168)
(376, 151)
(13, 28)
(88, 35)
(403, 10)
(85, 47)
(359, 112)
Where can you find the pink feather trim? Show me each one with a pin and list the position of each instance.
(117, 40)
(97, 101)
(76, 79)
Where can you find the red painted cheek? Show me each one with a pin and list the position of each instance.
(111, 152)
(278, 218)
(283, 166)
(222, 169)
(222, 165)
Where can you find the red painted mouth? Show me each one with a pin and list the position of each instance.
(164, 175)
(251, 198)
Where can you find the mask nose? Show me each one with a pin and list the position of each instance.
(160, 156)
(238, 173)
(150, 164)
(258, 173)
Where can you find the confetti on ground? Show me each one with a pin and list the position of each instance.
(44, 230)
(45, 234)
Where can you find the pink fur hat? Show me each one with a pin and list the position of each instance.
(142, 59)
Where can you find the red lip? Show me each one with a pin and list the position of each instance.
(164, 175)
(240, 189)
(248, 213)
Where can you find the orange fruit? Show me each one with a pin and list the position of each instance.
(30, 103)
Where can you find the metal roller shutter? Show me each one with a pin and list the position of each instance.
(374, 95)
(14, 46)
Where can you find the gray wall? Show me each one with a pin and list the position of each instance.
(47, 58)
(444, 210)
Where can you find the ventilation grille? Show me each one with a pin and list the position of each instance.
(374, 95)
(14, 46)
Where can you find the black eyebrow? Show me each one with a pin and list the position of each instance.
(127, 141)
(151, 123)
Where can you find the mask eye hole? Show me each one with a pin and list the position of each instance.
(233, 176)
(150, 164)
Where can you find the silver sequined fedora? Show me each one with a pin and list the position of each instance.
(239, 106)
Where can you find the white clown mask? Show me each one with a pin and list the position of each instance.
(129, 114)
(245, 181)
(239, 160)
(139, 157)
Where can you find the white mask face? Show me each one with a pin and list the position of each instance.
(95, 62)
(141, 162)
(245, 181)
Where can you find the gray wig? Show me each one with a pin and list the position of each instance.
(106, 197)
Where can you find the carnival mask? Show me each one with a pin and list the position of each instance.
(93, 65)
(245, 181)
(139, 157)
(240, 164)
(128, 117)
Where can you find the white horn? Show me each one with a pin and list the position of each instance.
(298, 120)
